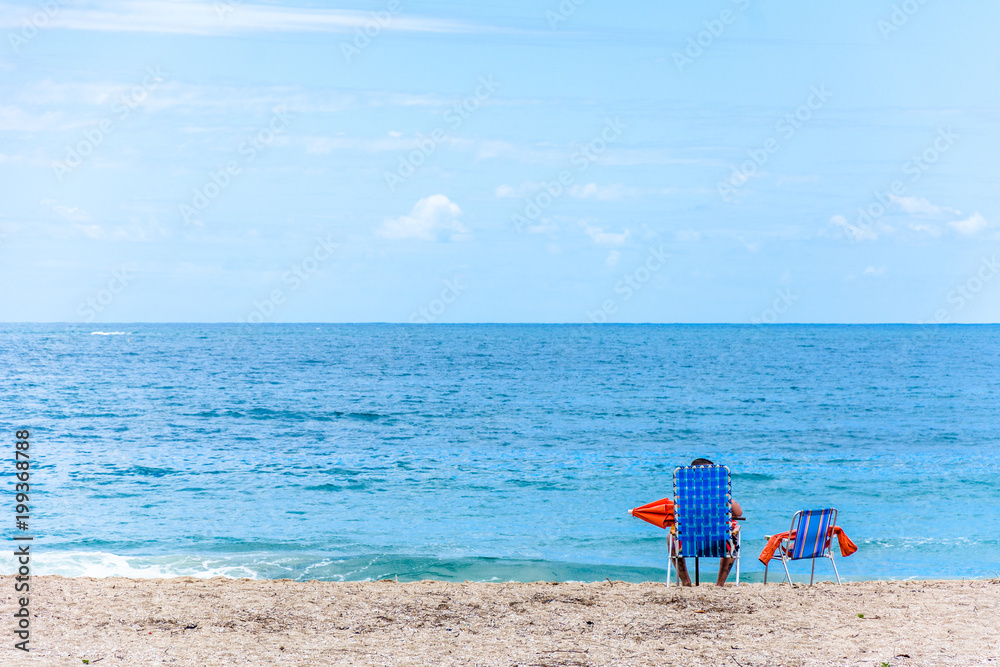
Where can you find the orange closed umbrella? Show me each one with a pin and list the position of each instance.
(659, 512)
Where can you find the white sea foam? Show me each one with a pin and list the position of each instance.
(110, 333)
(99, 564)
(102, 564)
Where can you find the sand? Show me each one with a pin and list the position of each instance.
(187, 621)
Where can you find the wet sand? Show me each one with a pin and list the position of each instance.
(187, 621)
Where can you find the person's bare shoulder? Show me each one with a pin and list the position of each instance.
(737, 510)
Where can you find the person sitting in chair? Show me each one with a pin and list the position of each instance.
(725, 564)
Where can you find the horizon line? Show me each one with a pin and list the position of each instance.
(430, 324)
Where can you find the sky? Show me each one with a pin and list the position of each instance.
(577, 161)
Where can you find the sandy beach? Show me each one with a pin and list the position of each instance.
(187, 621)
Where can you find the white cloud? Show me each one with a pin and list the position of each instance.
(329, 144)
(971, 226)
(506, 192)
(603, 192)
(872, 271)
(525, 189)
(432, 218)
(621, 157)
(15, 119)
(72, 213)
(392, 143)
(612, 258)
(586, 191)
(930, 230)
(72, 93)
(91, 231)
(601, 237)
(38, 96)
(928, 221)
(542, 226)
(853, 232)
(494, 148)
(919, 205)
(219, 18)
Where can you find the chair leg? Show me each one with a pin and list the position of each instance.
(834, 563)
(738, 542)
(670, 555)
(812, 575)
(788, 577)
(697, 573)
(765, 574)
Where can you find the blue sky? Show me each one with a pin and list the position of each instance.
(729, 161)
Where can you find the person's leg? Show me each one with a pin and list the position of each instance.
(682, 571)
(681, 565)
(725, 565)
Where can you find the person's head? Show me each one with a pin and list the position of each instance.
(702, 462)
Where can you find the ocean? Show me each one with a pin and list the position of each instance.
(493, 452)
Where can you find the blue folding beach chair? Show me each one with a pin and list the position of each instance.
(809, 537)
(703, 497)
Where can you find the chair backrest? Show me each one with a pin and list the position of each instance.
(702, 497)
(812, 532)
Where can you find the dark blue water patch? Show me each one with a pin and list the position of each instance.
(362, 416)
(292, 415)
(335, 487)
(213, 414)
(753, 477)
(144, 471)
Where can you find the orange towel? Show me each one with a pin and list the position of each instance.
(847, 547)
(772, 545)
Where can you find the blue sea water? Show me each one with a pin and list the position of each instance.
(494, 452)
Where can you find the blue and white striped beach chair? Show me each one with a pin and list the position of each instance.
(809, 537)
(703, 497)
